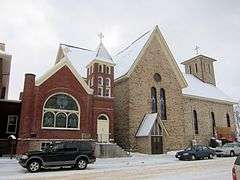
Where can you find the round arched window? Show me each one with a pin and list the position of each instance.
(61, 111)
(157, 77)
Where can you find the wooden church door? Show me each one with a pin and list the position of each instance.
(156, 139)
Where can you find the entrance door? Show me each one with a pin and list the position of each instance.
(157, 145)
(103, 128)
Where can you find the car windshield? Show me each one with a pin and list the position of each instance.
(228, 145)
(188, 149)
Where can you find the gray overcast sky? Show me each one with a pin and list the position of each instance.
(32, 31)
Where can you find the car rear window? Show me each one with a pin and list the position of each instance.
(237, 161)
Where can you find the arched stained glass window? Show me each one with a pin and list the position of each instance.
(195, 121)
(61, 111)
(154, 99)
(228, 120)
(163, 104)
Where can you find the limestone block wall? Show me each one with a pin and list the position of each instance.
(204, 109)
(140, 83)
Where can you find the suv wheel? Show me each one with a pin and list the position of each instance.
(232, 153)
(193, 157)
(81, 164)
(34, 166)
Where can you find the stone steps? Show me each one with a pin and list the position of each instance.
(109, 150)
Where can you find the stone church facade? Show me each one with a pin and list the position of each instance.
(137, 98)
(183, 100)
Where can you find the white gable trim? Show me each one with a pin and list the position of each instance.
(57, 67)
(167, 52)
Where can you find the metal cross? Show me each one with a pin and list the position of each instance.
(196, 49)
(101, 36)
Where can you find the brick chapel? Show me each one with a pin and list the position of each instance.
(137, 98)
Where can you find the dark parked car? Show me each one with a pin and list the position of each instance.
(195, 152)
(77, 154)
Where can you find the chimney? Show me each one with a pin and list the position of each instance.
(2, 46)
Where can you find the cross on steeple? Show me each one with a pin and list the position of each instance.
(197, 49)
(101, 36)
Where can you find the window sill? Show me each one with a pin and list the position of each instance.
(65, 129)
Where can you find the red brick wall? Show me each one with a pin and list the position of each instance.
(34, 98)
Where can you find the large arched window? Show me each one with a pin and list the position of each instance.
(195, 121)
(213, 123)
(154, 99)
(61, 111)
(163, 104)
(228, 120)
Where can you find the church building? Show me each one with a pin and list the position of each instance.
(137, 98)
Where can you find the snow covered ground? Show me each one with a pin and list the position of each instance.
(139, 166)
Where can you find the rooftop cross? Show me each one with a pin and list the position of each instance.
(197, 49)
(101, 36)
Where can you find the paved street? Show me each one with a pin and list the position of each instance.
(164, 167)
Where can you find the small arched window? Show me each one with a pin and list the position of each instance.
(228, 120)
(163, 104)
(154, 99)
(108, 82)
(196, 67)
(100, 81)
(61, 111)
(190, 69)
(213, 123)
(100, 68)
(108, 70)
(195, 121)
(103, 117)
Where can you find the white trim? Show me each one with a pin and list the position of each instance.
(100, 62)
(109, 94)
(101, 95)
(7, 131)
(100, 84)
(64, 62)
(156, 32)
(108, 85)
(210, 99)
(78, 113)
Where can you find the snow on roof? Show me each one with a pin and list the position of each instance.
(81, 57)
(103, 54)
(126, 57)
(146, 125)
(199, 89)
(4, 53)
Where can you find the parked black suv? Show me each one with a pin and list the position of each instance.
(77, 154)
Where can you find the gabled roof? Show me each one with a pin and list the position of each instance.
(81, 57)
(64, 62)
(129, 57)
(146, 125)
(200, 90)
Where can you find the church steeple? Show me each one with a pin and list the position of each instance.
(100, 72)
(202, 67)
(102, 53)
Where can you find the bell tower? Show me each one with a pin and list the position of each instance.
(100, 72)
(202, 67)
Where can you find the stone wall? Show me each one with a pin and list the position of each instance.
(121, 113)
(204, 109)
